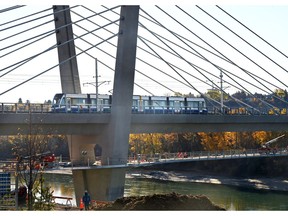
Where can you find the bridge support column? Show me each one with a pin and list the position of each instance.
(81, 149)
(107, 184)
(98, 183)
(116, 136)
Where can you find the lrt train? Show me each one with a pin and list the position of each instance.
(86, 103)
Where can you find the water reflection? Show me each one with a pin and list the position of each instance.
(62, 185)
(232, 198)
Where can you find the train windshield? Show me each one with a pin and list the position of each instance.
(57, 98)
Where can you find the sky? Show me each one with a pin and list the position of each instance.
(266, 19)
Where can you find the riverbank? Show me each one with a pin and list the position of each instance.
(258, 183)
(271, 184)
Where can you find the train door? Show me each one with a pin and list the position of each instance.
(177, 106)
(68, 104)
(140, 105)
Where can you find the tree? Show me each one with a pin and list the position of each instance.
(45, 200)
(29, 150)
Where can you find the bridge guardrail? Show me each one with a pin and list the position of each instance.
(25, 108)
(146, 159)
(203, 155)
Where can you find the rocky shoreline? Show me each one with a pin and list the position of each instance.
(279, 184)
(271, 184)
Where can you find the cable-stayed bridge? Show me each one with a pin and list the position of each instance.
(139, 52)
(189, 55)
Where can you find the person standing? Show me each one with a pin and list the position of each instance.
(86, 200)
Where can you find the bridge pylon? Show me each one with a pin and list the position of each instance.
(108, 184)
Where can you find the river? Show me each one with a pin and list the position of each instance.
(229, 197)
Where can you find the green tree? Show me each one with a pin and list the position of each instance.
(42, 195)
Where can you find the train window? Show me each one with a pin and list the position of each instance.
(146, 102)
(135, 103)
(176, 104)
(93, 101)
(159, 103)
(78, 101)
(63, 101)
(106, 101)
(193, 104)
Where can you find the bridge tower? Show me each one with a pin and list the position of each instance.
(105, 184)
(70, 81)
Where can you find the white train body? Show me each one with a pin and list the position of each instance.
(86, 103)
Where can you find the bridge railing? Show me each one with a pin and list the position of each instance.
(24, 108)
(204, 155)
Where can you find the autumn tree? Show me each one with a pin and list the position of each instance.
(28, 148)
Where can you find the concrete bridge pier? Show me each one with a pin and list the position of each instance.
(103, 184)
(81, 149)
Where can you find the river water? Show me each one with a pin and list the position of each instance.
(229, 197)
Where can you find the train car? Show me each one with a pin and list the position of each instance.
(84, 103)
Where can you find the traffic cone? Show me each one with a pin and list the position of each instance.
(81, 205)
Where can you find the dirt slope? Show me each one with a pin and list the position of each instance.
(172, 201)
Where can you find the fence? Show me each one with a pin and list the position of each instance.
(7, 186)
